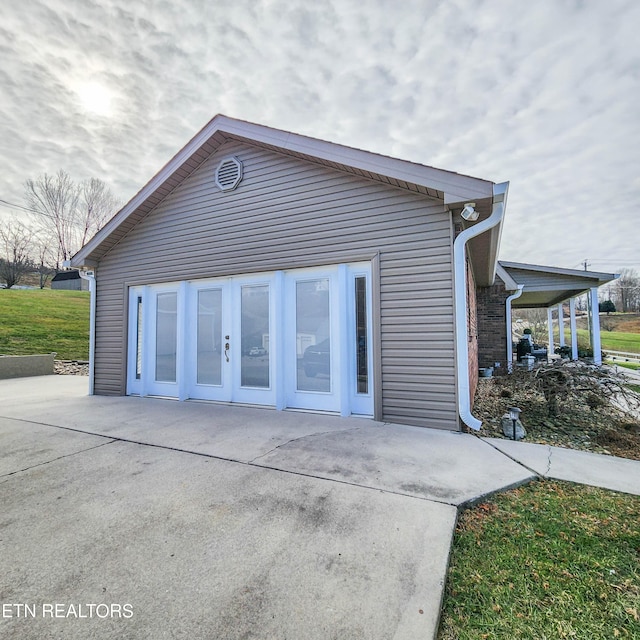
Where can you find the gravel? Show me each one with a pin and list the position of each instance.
(71, 367)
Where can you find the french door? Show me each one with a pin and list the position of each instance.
(289, 339)
(229, 346)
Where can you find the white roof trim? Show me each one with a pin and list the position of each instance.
(509, 283)
(446, 181)
(591, 275)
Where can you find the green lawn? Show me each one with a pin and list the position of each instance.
(549, 560)
(627, 365)
(614, 340)
(42, 320)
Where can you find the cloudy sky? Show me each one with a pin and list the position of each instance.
(544, 94)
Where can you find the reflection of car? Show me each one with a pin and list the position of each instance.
(317, 359)
(257, 351)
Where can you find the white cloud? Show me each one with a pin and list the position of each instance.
(543, 94)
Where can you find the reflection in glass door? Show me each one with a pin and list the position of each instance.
(166, 336)
(209, 337)
(311, 342)
(207, 373)
(313, 335)
(254, 327)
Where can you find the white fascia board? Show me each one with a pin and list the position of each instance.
(509, 283)
(578, 273)
(455, 186)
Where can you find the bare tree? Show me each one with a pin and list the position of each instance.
(71, 213)
(627, 291)
(44, 257)
(15, 239)
(533, 319)
(95, 208)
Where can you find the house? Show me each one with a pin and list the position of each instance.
(264, 267)
(528, 286)
(69, 280)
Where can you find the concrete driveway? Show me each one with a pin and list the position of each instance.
(146, 518)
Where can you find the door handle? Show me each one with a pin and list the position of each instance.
(226, 349)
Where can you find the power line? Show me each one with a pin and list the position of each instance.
(12, 205)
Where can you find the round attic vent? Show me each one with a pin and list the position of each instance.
(229, 173)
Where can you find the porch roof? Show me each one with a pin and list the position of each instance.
(544, 287)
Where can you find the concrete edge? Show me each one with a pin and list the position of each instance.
(26, 366)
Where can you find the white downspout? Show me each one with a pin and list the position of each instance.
(91, 279)
(517, 294)
(460, 296)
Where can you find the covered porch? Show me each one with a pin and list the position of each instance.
(539, 287)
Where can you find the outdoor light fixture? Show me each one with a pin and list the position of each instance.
(514, 413)
(469, 213)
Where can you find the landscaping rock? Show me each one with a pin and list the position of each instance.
(507, 427)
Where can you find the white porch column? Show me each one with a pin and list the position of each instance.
(561, 324)
(517, 294)
(550, 348)
(573, 329)
(595, 327)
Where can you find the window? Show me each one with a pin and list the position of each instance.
(362, 355)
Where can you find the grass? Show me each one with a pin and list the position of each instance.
(627, 365)
(43, 320)
(614, 340)
(549, 560)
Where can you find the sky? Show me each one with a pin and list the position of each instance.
(544, 94)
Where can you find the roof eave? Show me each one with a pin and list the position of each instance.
(600, 276)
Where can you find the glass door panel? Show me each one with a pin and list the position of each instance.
(312, 342)
(313, 336)
(254, 328)
(210, 346)
(208, 320)
(166, 336)
(362, 341)
(154, 342)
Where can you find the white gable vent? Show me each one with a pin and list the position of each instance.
(229, 173)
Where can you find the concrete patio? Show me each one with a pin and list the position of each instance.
(213, 521)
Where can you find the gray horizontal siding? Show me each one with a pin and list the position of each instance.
(291, 213)
(544, 281)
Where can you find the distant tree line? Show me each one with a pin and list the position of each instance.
(625, 291)
(60, 217)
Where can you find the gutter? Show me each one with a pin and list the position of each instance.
(91, 279)
(460, 296)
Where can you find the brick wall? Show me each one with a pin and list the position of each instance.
(492, 326)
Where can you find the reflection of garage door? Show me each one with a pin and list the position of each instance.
(298, 339)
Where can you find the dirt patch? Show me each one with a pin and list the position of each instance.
(582, 425)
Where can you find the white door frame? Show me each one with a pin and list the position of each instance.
(221, 392)
(343, 397)
(307, 399)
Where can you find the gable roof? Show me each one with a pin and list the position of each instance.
(66, 275)
(446, 186)
(547, 286)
